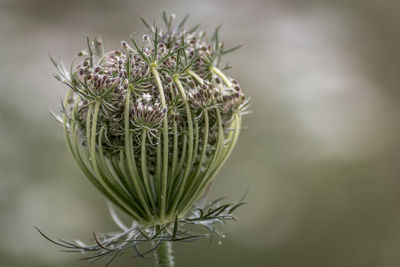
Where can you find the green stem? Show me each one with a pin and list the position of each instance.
(164, 256)
(88, 120)
(183, 155)
(97, 170)
(158, 169)
(131, 158)
(196, 178)
(228, 150)
(174, 161)
(163, 196)
(175, 150)
(131, 173)
(195, 76)
(190, 146)
(205, 142)
(93, 139)
(221, 75)
(145, 171)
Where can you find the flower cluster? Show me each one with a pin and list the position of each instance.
(151, 125)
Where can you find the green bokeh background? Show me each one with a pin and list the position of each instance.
(319, 154)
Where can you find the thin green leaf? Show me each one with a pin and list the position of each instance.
(164, 16)
(90, 51)
(215, 35)
(146, 23)
(173, 52)
(236, 206)
(194, 28)
(142, 55)
(230, 50)
(183, 21)
(155, 44)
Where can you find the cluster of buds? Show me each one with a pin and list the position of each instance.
(147, 113)
(152, 125)
(203, 95)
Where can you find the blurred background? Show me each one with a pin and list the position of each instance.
(319, 154)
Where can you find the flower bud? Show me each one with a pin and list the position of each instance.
(153, 128)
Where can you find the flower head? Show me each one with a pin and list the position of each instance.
(151, 125)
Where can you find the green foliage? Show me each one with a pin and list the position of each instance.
(144, 240)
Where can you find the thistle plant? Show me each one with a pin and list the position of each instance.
(150, 125)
